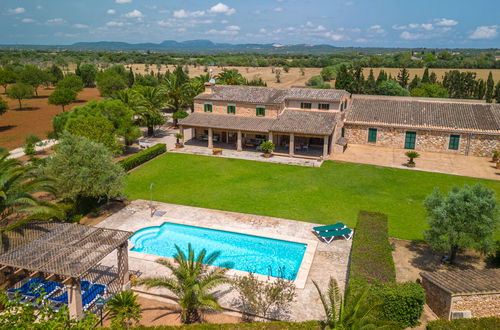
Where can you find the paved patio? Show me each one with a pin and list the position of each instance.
(323, 260)
(479, 167)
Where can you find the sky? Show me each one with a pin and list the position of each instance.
(359, 23)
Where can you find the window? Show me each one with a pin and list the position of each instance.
(341, 107)
(342, 133)
(260, 111)
(304, 105)
(207, 107)
(323, 106)
(410, 139)
(231, 109)
(454, 142)
(372, 135)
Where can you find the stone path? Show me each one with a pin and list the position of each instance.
(45, 144)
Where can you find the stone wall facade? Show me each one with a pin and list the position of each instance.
(242, 109)
(437, 299)
(480, 305)
(295, 105)
(426, 140)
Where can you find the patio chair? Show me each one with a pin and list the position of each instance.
(339, 225)
(29, 286)
(329, 236)
(62, 299)
(91, 295)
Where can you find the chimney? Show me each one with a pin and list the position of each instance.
(208, 88)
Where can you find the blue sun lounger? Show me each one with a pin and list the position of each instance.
(339, 225)
(329, 236)
(27, 287)
(92, 294)
(63, 298)
(48, 288)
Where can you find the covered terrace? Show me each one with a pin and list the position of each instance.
(65, 253)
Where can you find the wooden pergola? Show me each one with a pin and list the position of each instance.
(63, 252)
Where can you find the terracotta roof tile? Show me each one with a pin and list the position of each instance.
(230, 122)
(451, 115)
(305, 122)
(466, 281)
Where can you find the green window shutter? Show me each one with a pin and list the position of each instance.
(231, 109)
(327, 106)
(260, 111)
(228, 109)
(454, 142)
(343, 132)
(410, 140)
(302, 105)
(372, 135)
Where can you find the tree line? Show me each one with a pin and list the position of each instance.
(455, 84)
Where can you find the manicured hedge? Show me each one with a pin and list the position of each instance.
(371, 256)
(485, 323)
(313, 325)
(143, 156)
(402, 302)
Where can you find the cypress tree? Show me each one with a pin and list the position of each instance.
(425, 76)
(403, 77)
(497, 92)
(414, 83)
(433, 78)
(131, 78)
(344, 79)
(371, 84)
(382, 76)
(490, 85)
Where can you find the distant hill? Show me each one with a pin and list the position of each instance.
(207, 47)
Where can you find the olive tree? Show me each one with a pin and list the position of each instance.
(464, 218)
(4, 106)
(19, 92)
(62, 97)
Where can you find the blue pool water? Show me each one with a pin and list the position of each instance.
(248, 253)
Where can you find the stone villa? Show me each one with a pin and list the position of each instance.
(314, 123)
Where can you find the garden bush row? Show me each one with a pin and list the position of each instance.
(312, 325)
(372, 264)
(485, 323)
(143, 156)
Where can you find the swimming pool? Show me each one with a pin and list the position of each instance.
(247, 253)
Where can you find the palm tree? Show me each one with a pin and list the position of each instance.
(359, 313)
(192, 280)
(124, 309)
(18, 205)
(178, 92)
(230, 77)
(151, 100)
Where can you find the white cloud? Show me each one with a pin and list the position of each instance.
(221, 8)
(361, 40)
(54, 21)
(278, 9)
(181, 30)
(224, 21)
(484, 32)
(233, 28)
(134, 14)
(111, 11)
(228, 30)
(320, 28)
(262, 30)
(334, 36)
(427, 27)
(348, 3)
(18, 10)
(310, 24)
(80, 26)
(39, 7)
(115, 23)
(123, 1)
(27, 20)
(67, 35)
(446, 22)
(410, 36)
(376, 29)
(185, 14)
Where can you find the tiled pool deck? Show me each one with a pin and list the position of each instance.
(320, 261)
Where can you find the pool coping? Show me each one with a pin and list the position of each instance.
(304, 268)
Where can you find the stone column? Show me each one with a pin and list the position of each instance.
(181, 131)
(75, 299)
(292, 144)
(123, 273)
(325, 147)
(210, 138)
(270, 136)
(239, 147)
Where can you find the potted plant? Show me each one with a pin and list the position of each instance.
(217, 151)
(411, 155)
(178, 137)
(268, 148)
(496, 156)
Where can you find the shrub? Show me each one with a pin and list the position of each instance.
(267, 146)
(412, 155)
(307, 325)
(30, 143)
(402, 303)
(371, 257)
(143, 156)
(484, 323)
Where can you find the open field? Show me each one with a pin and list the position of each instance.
(35, 117)
(295, 78)
(333, 192)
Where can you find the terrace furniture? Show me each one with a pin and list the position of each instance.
(338, 226)
(329, 236)
(63, 298)
(92, 294)
(29, 286)
(144, 144)
(305, 147)
(48, 288)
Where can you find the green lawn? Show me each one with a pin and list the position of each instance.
(336, 191)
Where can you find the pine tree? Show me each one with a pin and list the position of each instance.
(490, 86)
(425, 76)
(403, 77)
(131, 78)
(497, 92)
(77, 70)
(358, 80)
(382, 76)
(433, 78)
(371, 84)
(414, 83)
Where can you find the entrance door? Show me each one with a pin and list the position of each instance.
(410, 139)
